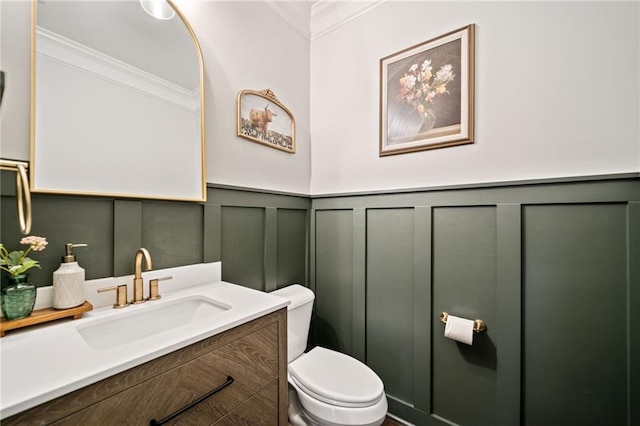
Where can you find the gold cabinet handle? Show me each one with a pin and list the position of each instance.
(154, 291)
(121, 295)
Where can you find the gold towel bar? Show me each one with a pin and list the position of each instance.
(23, 194)
(478, 325)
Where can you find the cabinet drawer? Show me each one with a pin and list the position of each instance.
(260, 410)
(252, 361)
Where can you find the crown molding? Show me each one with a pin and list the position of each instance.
(296, 13)
(313, 19)
(54, 47)
(327, 15)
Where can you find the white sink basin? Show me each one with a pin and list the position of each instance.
(147, 320)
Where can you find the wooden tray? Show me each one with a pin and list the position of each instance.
(44, 315)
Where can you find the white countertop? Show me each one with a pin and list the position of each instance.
(43, 362)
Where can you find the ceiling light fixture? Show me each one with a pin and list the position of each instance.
(159, 9)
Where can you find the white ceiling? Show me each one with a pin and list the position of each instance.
(315, 18)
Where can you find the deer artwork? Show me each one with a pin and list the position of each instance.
(260, 120)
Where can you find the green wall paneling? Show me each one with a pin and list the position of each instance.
(633, 259)
(176, 233)
(173, 233)
(508, 324)
(230, 196)
(334, 279)
(359, 268)
(212, 240)
(291, 259)
(62, 220)
(270, 248)
(390, 295)
(422, 301)
(127, 235)
(612, 190)
(576, 315)
(243, 246)
(464, 285)
(476, 243)
(266, 246)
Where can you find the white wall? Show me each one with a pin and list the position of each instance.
(246, 45)
(557, 94)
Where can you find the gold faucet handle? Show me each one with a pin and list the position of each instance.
(154, 292)
(121, 295)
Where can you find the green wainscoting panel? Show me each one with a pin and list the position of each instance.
(390, 294)
(260, 237)
(508, 327)
(256, 246)
(291, 261)
(63, 220)
(576, 315)
(334, 279)
(476, 252)
(464, 285)
(243, 246)
(359, 289)
(270, 248)
(237, 196)
(127, 235)
(633, 226)
(422, 283)
(172, 232)
(212, 244)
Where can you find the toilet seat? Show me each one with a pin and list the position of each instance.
(335, 378)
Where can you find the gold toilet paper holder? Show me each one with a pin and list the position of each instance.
(478, 325)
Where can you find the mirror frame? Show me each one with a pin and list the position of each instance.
(129, 193)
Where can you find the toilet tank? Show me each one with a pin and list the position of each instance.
(298, 317)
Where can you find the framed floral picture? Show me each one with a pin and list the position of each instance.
(263, 119)
(427, 94)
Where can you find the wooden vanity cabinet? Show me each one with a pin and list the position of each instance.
(253, 356)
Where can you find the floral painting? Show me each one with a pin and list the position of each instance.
(426, 94)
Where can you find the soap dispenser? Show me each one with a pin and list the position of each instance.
(68, 281)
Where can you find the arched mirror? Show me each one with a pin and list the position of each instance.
(117, 102)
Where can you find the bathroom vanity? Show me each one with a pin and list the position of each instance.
(219, 367)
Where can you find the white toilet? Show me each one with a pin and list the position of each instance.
(326, 388)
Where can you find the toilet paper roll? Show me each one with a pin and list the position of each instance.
(459, 329)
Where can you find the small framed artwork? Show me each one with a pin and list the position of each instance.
(263, 119)
(427, 94)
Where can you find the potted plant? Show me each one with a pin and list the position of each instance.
(18, 295)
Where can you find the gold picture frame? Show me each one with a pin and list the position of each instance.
(263, 119)
(427, 94)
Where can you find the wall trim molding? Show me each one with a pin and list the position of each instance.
(66, 52)
(314, 19)
(327, 16)
(482, 185)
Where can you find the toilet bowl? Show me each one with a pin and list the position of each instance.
(326, 388)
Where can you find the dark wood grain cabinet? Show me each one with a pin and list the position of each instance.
(252, 356)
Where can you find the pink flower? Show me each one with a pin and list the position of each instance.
(36, 243)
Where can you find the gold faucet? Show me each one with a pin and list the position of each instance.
(138, 293)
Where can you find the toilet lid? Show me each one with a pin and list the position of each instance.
(336, 378)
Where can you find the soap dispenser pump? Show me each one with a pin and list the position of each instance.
(68, 281)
